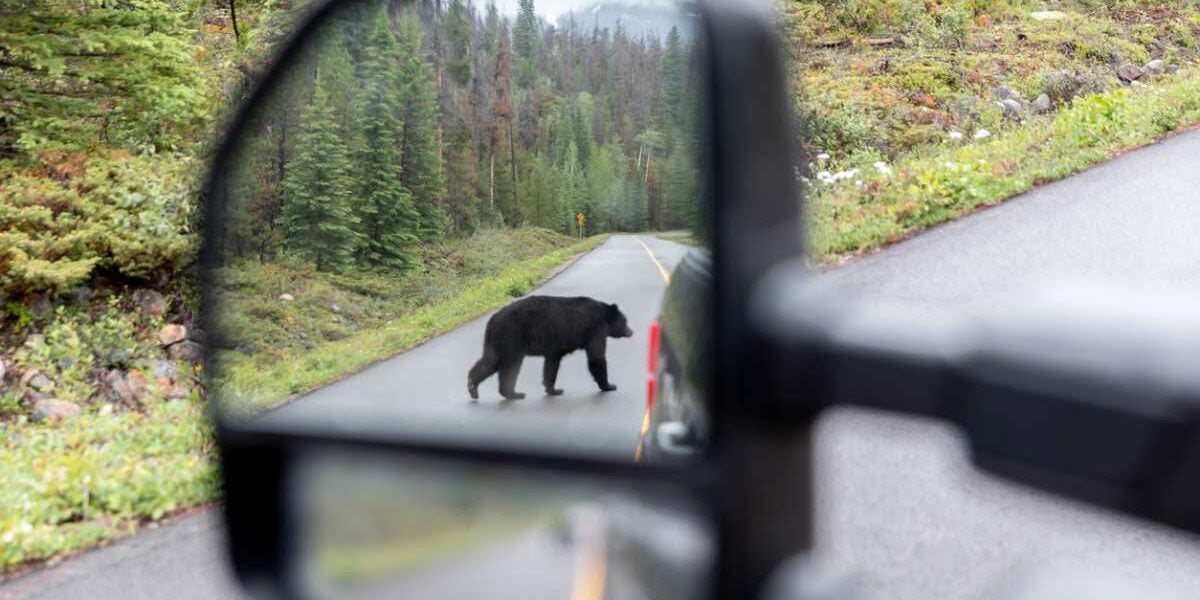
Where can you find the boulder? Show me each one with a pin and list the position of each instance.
(286, 297)
(1041, 104)
(1012, 109)
(187, 351)
(54, 410)
(179, 391)
(1155, 67)
(172, 334)
(165, 369)
(1128, 73)
(149, 302)
(137, 383)
(82, 295)
(40, 382)
(1003, 92)
(116, 388)
(40, 306)
(117, 358)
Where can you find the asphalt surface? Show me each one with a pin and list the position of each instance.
(897, 498)
(423, 392)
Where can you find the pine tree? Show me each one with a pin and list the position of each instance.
(422, 157)
(389, 221)
(317, 223)
(526, 40)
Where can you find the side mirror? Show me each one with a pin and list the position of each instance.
(379, 225)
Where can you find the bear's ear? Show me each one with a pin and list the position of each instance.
(612, 309)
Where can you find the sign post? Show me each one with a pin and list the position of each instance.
(579, 219)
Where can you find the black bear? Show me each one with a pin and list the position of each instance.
(552, 327)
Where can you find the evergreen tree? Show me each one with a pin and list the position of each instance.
(422, 156)
(317, 223)
(526, 40)
(388, 220)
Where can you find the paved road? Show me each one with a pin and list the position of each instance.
(896, 496)
(424, 391)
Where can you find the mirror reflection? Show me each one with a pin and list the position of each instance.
(427, 528)
(458, 220)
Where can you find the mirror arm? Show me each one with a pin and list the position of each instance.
(1083, 412)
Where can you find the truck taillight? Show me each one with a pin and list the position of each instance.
(652, 366)
(655, 334)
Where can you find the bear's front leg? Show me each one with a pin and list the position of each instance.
(508, 381)
(597, 363)
(599, 369)
(550, 375)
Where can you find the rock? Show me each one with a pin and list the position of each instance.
(1128, 73)
(1173, 69)
(54, 410)
(41, 307)
(65, 363)
(1048, 15)
(82, 295)
(335, 308)
(137, 384)
(286, 297)
(165, 369)
(31, 395)
(187, 350)
(172, 334)
(178, 391)
(1041, 104)
(116, 388)
(1155, 67)
(40, 382)
(1003, 92)
(1012, 109)
(117, 358)
(149, 302)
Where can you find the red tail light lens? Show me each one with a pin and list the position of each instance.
(651, 389)
(655, 334)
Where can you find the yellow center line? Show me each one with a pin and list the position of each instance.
(591, 567)
(661, 269)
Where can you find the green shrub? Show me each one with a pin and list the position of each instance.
(124, 215)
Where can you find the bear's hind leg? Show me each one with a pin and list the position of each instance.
(550, 374)
(483, 369)
(508, 380)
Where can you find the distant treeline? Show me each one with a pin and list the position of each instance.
(410, 122)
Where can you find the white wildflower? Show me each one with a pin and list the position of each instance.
(956, 135)
(982, 134)
(822, 157)
(883, 167)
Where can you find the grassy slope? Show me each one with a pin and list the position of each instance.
(902, 106)
(287, 348)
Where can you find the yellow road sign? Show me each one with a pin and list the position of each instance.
(579, 219)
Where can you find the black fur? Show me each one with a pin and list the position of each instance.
(551, 327)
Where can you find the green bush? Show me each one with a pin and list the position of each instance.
(123, 215)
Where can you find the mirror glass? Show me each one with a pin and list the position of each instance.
(383, 527)
(458, 220)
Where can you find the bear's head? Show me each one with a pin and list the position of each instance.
(618, 326)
